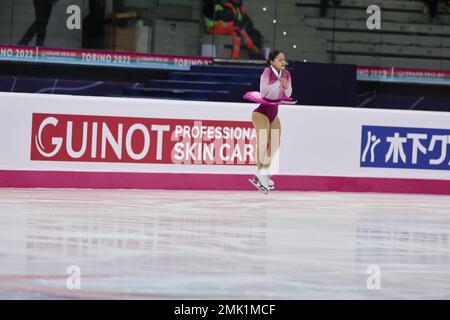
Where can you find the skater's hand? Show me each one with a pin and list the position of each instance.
(283, 82)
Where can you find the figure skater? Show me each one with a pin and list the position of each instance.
(275, 89)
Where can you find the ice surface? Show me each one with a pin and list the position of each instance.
(161, 244)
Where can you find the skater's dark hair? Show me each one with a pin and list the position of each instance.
(272, 55)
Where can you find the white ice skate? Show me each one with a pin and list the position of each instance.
(264, 174)
(260, 183)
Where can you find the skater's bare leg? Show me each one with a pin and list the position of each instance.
(274, 141)
(262, 126)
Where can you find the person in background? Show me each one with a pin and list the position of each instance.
(324, 6)
(93, 36)
(431, 7)
(42, 10)
(229, 17)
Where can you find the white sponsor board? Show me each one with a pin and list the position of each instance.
(101, 134)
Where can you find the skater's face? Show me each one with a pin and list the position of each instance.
(279, 62)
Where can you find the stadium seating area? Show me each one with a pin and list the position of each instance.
(407, 37)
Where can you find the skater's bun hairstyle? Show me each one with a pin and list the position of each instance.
(272, 55)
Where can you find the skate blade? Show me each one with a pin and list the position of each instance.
(259, 187)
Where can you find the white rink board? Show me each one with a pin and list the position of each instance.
(320, 141)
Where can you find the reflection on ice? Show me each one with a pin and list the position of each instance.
(156, 244)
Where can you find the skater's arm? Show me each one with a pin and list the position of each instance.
(288, 90)
(267, 90)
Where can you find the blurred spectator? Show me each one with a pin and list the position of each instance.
(324, 6)
(94, 25)
(433, 6)
(42, 10)
(229, 17)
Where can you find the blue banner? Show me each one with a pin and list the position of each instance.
(408, 148)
